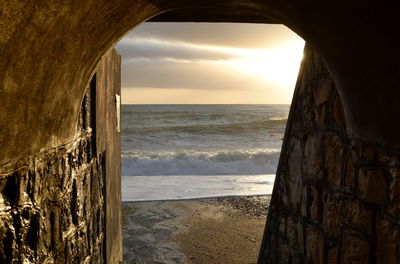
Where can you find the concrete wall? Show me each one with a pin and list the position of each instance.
(108, 86)
(336, 198)
(54, 206)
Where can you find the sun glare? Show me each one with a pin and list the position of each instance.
(277, 66)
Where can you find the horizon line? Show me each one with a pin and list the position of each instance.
(203, 104)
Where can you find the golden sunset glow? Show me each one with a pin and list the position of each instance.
(162, 70)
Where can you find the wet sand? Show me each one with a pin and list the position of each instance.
(212, 230)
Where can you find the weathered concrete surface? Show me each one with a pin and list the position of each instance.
(50, 49)
(108, 85)
(336, 198)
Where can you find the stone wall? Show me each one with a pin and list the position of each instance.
(52, 207)
(53, 204)
(336, 199)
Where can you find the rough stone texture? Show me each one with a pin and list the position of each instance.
(336, 196)
(54, 206)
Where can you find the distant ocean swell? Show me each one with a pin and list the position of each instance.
(229, 128)
(222, 162)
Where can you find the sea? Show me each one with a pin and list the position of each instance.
(174, 152)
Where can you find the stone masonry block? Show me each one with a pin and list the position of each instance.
(395, 196)
(349, 175)
(357, 215)
(367, 153)
(331, 215)
(355, 248)
(283, 251)
(333, 250)
(333, 159)
(294, 160)
(304, 201)
(313, 203)
(387, 244)
(312, 158)
(292, 234)
(321, 91)
(296, 190)
(372, 185)
(315, 246)
(337, 112)
(320, 115)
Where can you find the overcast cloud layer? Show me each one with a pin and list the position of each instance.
(195, 56)
(219, 34)
(153, 48)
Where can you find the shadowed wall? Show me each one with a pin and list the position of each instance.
(336, 198)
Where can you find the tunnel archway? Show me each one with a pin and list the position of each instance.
(70, 44)
(51, 50)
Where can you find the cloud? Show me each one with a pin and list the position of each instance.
(200, 61)
(180, 75)
(142, 48)
(218, 34)
(172, 64)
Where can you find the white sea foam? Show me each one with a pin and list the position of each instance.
(223, 162)
(144, 188)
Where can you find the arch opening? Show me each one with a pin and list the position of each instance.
(197, 130)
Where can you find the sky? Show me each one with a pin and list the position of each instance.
(209, 63)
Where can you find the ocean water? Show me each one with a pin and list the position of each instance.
(193, 151)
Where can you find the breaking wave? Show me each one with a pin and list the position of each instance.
(222, 162)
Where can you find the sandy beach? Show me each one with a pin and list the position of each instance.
(211, 230)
